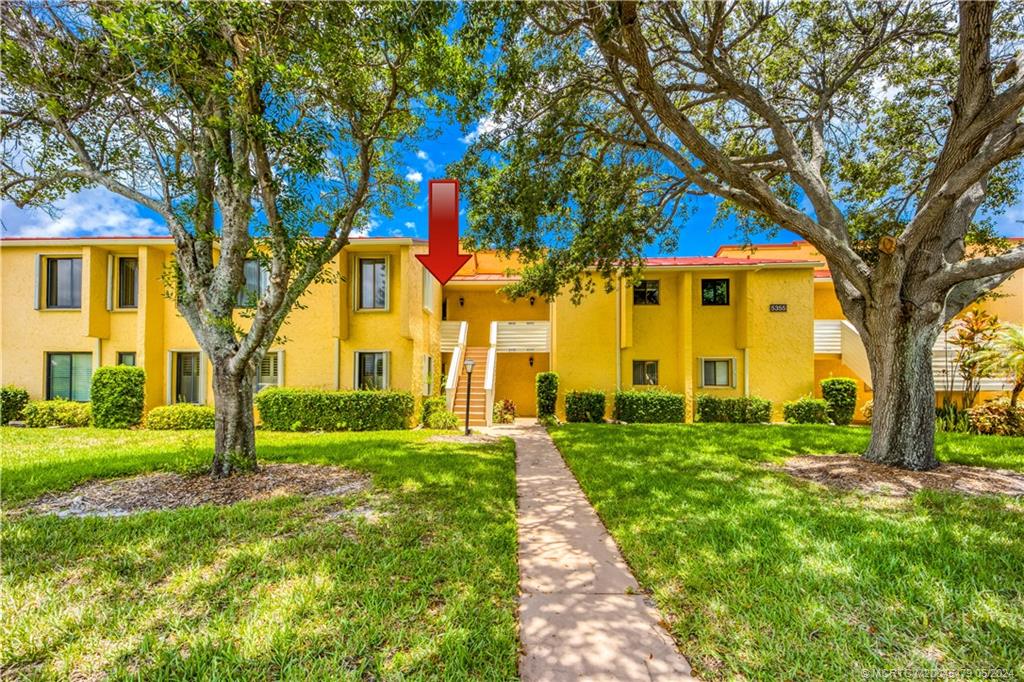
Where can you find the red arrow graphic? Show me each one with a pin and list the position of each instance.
(443, 258)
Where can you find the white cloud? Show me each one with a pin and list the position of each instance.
(93, 212)
(410, 224)
(422, 155)
(414, 176)
(485, 125)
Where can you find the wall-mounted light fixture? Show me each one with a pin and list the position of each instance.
(531, 361)
(462, 301)
(532, 300)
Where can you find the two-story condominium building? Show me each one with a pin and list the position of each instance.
(838, 350)
(734, 324)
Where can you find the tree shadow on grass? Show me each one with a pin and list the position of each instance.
(766, 577)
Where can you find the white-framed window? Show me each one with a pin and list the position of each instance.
(717, 372)
(645, 372)
(257, 281)
(373, 283)
(270, 371)
(428, 374)
(428, 291)
(371, 371)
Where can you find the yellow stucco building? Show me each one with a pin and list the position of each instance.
(761, 322)
(838, 350)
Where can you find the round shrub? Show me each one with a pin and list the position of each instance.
(584, 406)
(996, 418)
(443, 420)
(743, 410)
(649, 407)
(430, 405)
(504, 412)
(841, 395)
(117, 396)
(180, 417)
(13, 400)
(547, 393)
(807, 410)
(46, 413)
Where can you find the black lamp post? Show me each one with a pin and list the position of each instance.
(469, 380)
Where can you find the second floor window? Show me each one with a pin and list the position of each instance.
(128, 283)
(257, 281)
(63, 282)
(714, 292)
(647, 292)
(373, 283)
(645, 372)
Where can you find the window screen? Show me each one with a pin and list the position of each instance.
(645, 372)
(718, 372)
(647, 292)
(63, 282)
(373, 283)
(128, 282)
(269, 372)
(714, 292)
(68, 376)
(370, 373)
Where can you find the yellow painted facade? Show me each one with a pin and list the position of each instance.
(759, 342)
(1007, 303)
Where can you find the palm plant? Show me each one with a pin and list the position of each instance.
(1007, 355)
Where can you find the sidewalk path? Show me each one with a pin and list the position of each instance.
(581, 613)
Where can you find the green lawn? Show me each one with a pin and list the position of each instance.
(269, 589)
(763, 577)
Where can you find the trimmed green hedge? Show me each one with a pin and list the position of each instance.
(117, 396)
(45, 413)
(13, 400)
(436, 403)
(295, 409)
(584, 406)
(806, 411)
(180, 417)
(547, 393)
(841, 395)
(650, 407)
(743, 410)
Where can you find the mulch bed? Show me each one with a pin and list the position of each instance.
(160, 491)
(847, 472)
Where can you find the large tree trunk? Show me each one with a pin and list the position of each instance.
(235, 435)
(903, 415)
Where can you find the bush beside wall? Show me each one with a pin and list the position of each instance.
(117, 395)
(547, 393)
(996, 418)
(584, 406)
(180, 417)
(430, 405)
(442, 419)
(744, 410)
(294, 409)
(806, 411)
(13, 400)
(45, 413)
(841, 395)
(650, 407)
(504, 412)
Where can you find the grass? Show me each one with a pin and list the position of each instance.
(760, 576)
(268, 589)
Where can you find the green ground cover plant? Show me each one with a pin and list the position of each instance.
(761, 576)
(285, 588)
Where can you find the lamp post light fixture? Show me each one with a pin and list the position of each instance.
(468, 365)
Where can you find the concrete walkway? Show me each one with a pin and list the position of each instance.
(581, 613)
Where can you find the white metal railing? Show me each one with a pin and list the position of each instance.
(452, 381)
(492, 361)
(855, 357)
(828, 336)
(456, 332)
(521, 336)
(453, 333)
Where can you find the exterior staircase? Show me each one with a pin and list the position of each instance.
(477, 391)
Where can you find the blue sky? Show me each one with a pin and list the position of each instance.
(96, 212)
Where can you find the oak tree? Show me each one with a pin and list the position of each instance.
(265, 131)
(887, 134)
